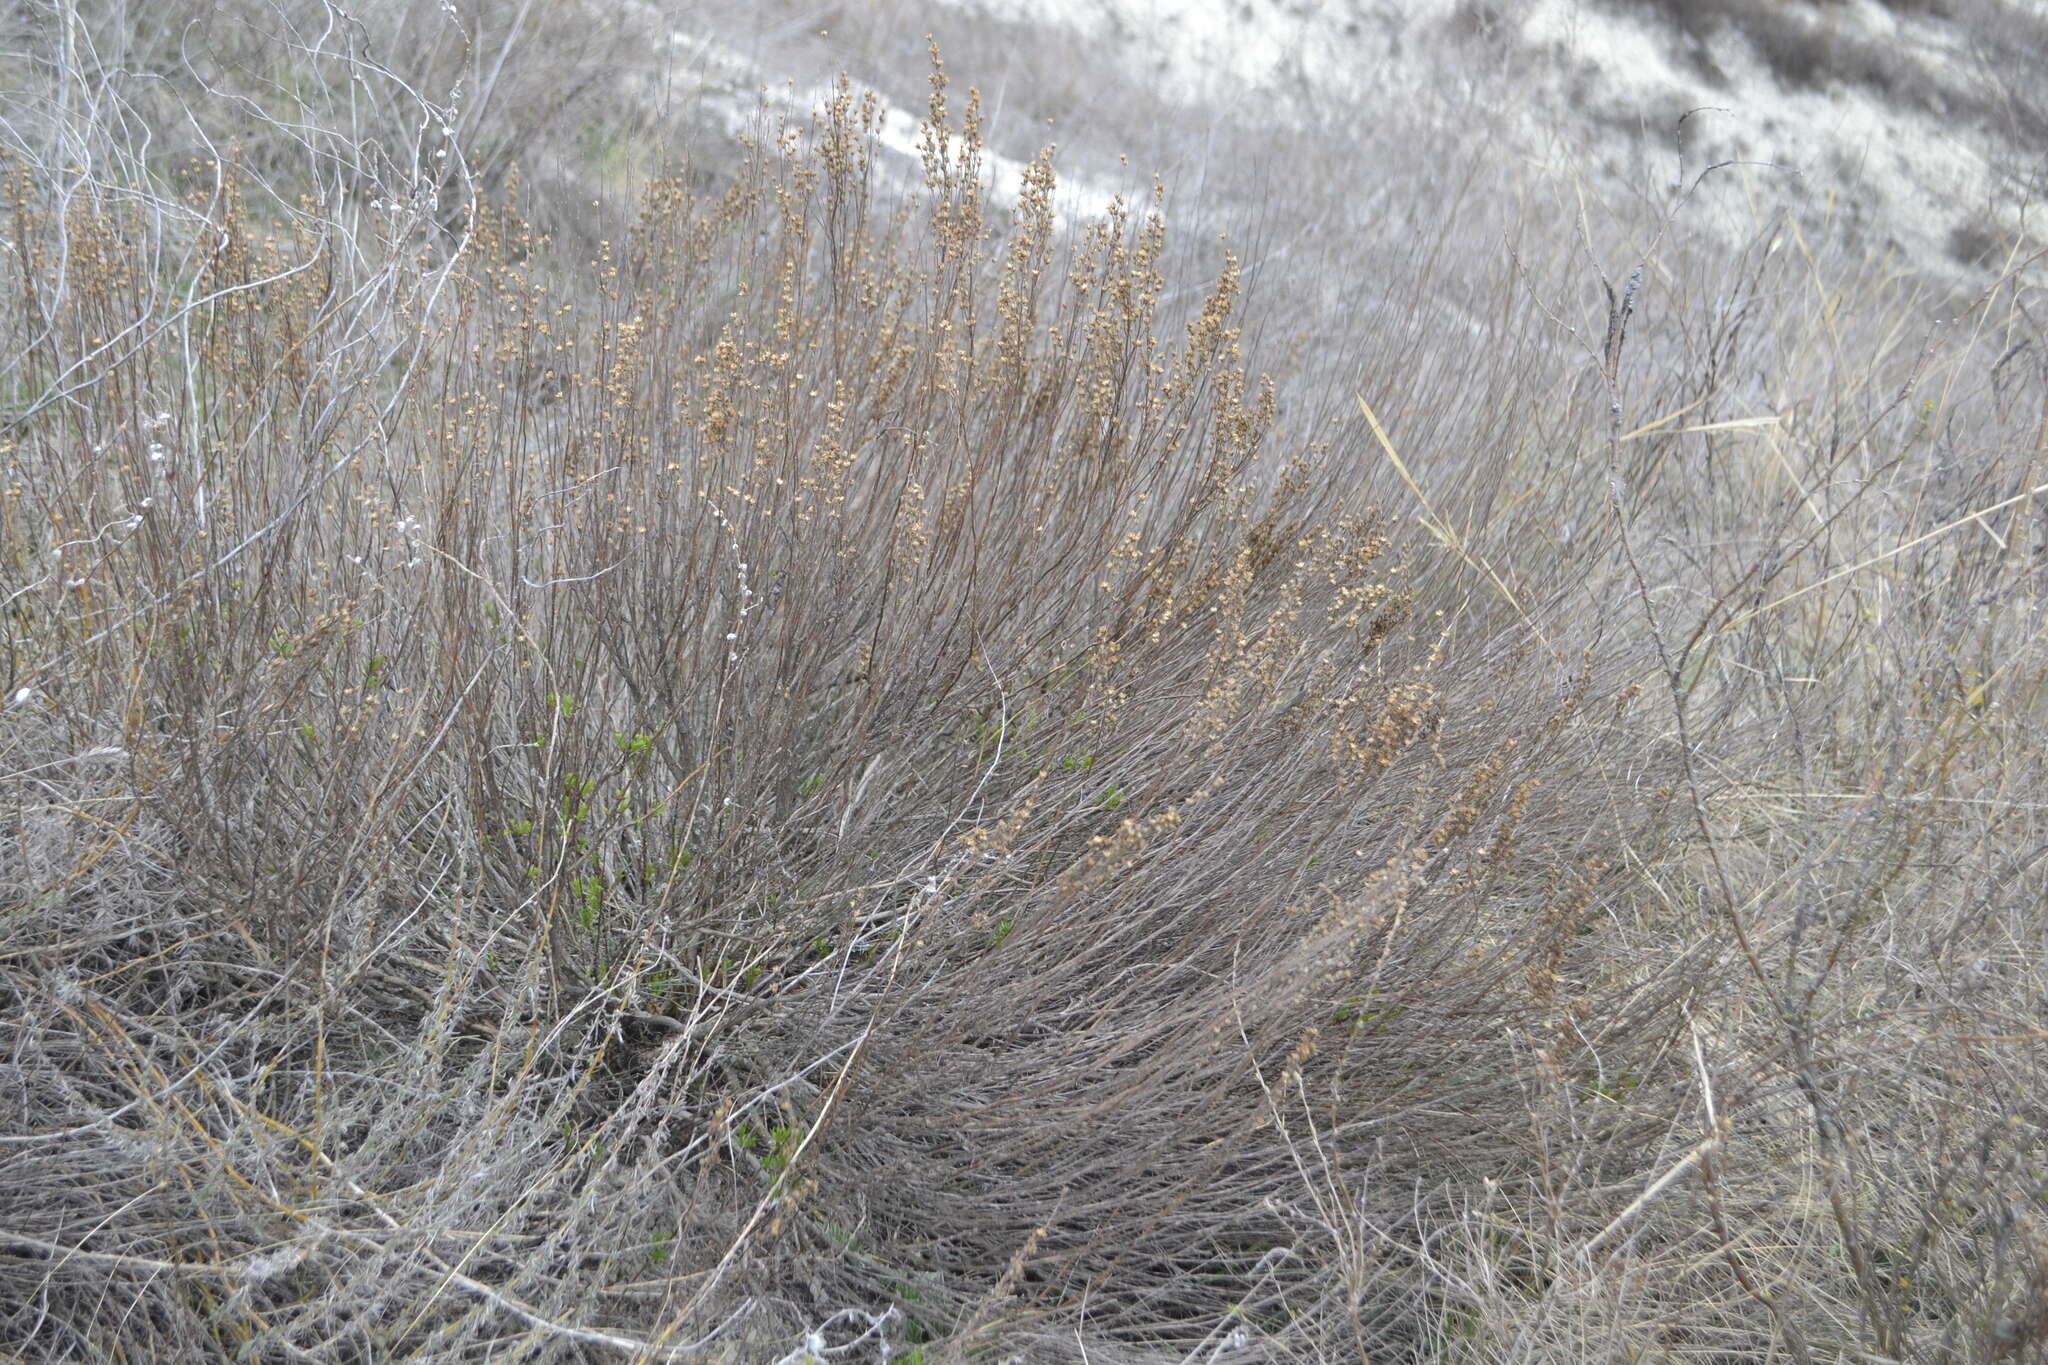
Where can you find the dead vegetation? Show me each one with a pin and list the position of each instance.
(799, 772)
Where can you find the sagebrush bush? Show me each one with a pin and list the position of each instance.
(822, 765)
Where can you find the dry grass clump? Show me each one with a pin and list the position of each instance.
(834, 776)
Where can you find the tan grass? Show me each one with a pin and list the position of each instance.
(805, 766)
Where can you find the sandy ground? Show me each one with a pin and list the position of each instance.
(1587, 93)
(1603, 80)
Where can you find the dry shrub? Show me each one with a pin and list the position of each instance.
(827, 769)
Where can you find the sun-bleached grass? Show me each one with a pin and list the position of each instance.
(785, 771)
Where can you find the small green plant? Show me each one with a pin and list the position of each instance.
(1366, 1019)
(1617, 1089)
(783, 1141)
(590, 890)
(575, 797)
